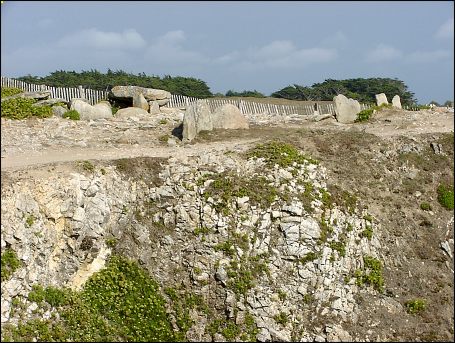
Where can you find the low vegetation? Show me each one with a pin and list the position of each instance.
(367, 113)
(415, 306)
(10, 91)
(371, 274)
(120, 303)
(72, 114)
(21, 108)
(227, 186)
(446, 196)
(10, 263)
(280, 153)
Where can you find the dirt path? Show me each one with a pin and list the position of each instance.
(30, 143)
(27, 159)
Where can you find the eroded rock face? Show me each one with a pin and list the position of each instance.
(346, 109)
(174, 225)
(229, 117)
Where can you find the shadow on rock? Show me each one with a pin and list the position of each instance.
(178, 132)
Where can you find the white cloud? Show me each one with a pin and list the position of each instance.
(339, 40)
(428, 56)
(445, 31)
(271, 51)
(227, 58)
(171, 38)
(383, 53)
(96, 39)
(281, 54)
(169, 49)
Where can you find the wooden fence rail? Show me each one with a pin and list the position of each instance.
(181, 101)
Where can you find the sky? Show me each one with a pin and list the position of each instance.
(237, 45)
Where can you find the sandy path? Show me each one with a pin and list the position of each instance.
(31, 158)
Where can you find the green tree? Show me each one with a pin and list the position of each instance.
(94, 79)
(363, 90)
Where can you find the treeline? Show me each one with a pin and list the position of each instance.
(363, 90)
(93, 79)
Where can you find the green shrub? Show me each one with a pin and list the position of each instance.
(226, 187)
(280, 153)
(30, 220)
(9, 91)
(445, 196)
(10, 263)
(415, 306)
(364, 115)
(367, 232)
(36, 294)
(120, 303)
(371, 275)
(72, 114)
(21, 108)
(87, 165)
(309, 257)
(163, 138)
(425, 206)
(281, 318)
(423, 107)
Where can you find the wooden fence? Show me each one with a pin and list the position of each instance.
(181, 101)
(67, 93)
(256, 107)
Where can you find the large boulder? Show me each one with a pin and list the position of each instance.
(132, 112)
(197, 118)
(346, 110)
(229, 116)
(126, 92)
(59, 111)
(381, 99)
(86, 111)
(39, 95)
(50, 102)
(396, 102)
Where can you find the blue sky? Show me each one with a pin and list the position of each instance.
(237, 45)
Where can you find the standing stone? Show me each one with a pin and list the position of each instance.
(381, 99)
(154, 107)
(229, 116)
(396, 102)
(197, 118)
(140, 102)
(189, 126)
(346, 110)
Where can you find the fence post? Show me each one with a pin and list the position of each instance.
(81, 92)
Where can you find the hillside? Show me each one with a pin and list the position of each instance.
(290, 231)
